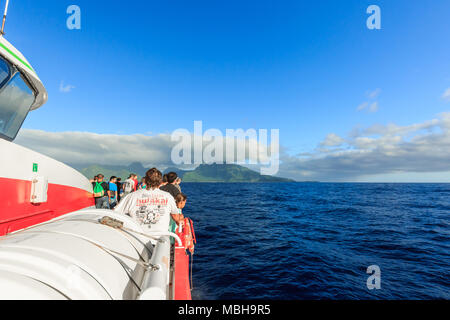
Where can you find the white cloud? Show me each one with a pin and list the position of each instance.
(65, 88)
(78, 148)
(362, 106)
(93, 148)
(368, 105)
(332, 140)
(382, 150)
(374, 94)
(379, 150)
(392, 129)
(372, 107)
(446, 95)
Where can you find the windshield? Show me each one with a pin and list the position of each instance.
(4, 71)
(16, 99)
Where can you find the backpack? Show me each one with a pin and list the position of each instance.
(98, 190)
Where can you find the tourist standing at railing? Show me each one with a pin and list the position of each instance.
(170, 186)
(136, 182)
(119, 185)
(142, 185)
(177, 183)
(164, 180)
(112, 193)
(180, 201)
(151, 207)
(101, 189)
(177, 221)
(128, 186)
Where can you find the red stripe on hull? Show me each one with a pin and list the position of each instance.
(17, 212)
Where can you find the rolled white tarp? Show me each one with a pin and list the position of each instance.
(76, 257)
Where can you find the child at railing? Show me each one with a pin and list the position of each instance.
(180, 201)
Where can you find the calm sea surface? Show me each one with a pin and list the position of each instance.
(316, 240)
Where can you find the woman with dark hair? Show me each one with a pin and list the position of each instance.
(164, 180)
(151, 207)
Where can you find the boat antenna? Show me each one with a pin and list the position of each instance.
(4, 18)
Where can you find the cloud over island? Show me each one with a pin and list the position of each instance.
(376, 150)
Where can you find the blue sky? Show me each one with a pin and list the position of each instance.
(302, 67)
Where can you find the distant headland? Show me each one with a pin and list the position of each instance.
(225, 173)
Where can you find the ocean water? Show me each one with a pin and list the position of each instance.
(316, 240)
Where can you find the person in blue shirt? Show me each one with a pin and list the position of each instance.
(112, 193)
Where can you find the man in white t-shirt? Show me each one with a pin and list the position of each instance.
(151, 207)
(128, 186)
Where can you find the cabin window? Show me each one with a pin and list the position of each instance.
(16, 98)
(4, 71)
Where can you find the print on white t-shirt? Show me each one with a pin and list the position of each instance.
(129, 186)
(151, 208)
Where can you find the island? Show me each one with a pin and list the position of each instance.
(225, 173)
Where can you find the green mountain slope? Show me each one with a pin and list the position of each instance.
(227, 173)
(179, 172)
(203, 173)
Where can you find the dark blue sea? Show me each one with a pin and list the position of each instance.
(316, 240)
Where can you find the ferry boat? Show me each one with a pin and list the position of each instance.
(54, 244)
